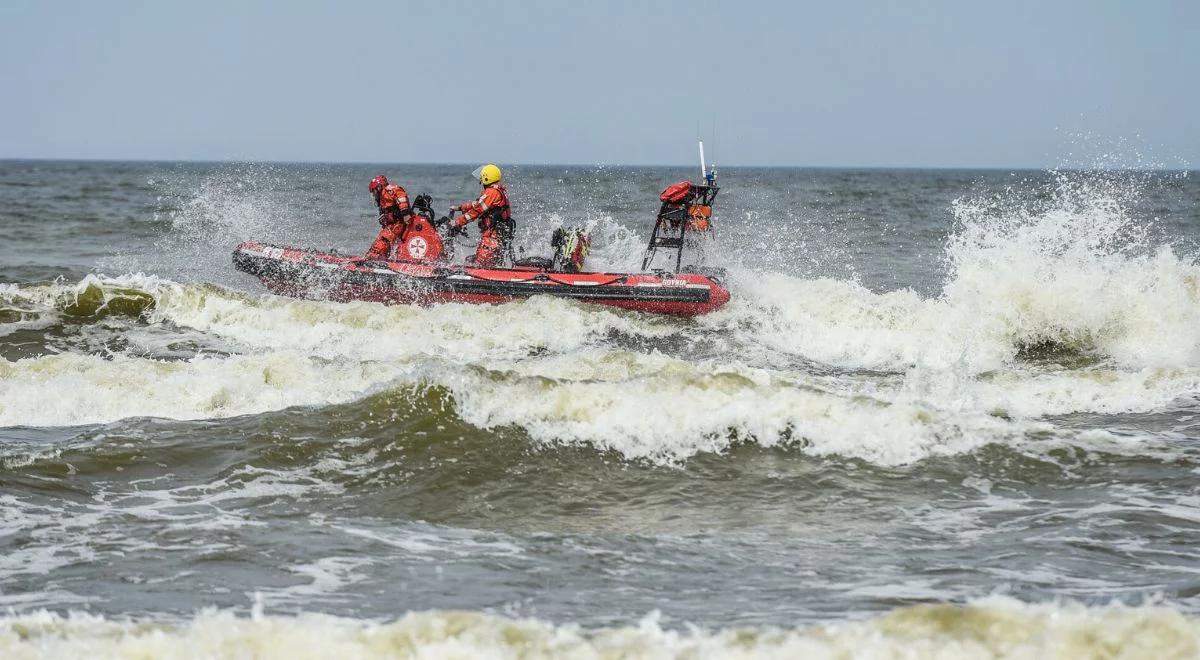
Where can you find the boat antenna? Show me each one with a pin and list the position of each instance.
(709, 174)
(713, 171)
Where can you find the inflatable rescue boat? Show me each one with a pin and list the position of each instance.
(421, 268)
(312, 274)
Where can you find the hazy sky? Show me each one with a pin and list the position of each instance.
(952, 83)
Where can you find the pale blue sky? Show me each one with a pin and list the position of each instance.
(951, 83)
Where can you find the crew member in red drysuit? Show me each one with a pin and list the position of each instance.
(494, 216)
(394, 214)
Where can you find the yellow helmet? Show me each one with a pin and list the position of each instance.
(487, 175)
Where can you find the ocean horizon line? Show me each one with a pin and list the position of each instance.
(908, 168)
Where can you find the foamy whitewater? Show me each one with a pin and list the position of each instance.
(1004, 376)
(989, 629)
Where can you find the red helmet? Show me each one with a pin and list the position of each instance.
(377, 184)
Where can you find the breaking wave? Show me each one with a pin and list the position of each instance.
(1076, 274)
(991, 628)
(1058, 306)
(643, 386)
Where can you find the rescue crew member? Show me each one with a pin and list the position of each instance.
(394, 215)
(494, 215)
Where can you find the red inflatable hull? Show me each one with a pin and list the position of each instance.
(311, 274)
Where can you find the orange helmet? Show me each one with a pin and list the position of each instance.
(377, 184)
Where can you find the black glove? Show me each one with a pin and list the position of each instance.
(441, 222)
(457, 230)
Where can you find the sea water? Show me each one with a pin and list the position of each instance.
(946, 414)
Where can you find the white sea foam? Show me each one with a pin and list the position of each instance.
(543, 365)
(371, 331)
(991, 628)
(1081, 272)
(662, 408)
(69, 388)
(324, 577)
(1136, 311)
(641, 405)
(1030, 393)
(432, 543)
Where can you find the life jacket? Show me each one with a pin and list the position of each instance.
(698, 217)
(498, 218)
(393, 200)
(497, 212)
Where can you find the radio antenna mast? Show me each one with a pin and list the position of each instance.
(709, 173)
